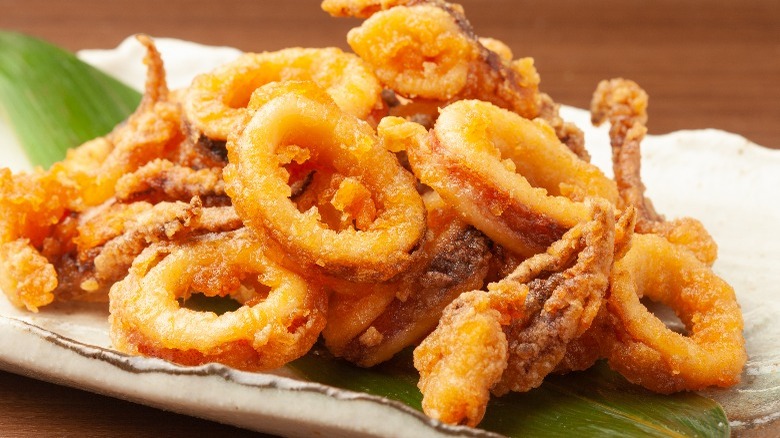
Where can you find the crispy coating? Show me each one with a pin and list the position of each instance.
(147, 134)
(506, 175)
(429, 50)
(106, 241)
(560, 307)
(583, 351)
(165, 221)
(421, 111)
(161, 180)
(624, 104)
(643, 349)
(526, 321)
(286, 182)
(430, 71)
(26, 277)
(279, 321)
(197, 150)
(454, 259)
(462, 359)
(40, 208)
(216, 102)
(31, 204)
(567, 132)
(499, 47)
(298, 121)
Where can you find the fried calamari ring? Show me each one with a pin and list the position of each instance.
(624, 104)
(648, 353)
(298, 121)
(429, 50)
(432, 65)
(216, 101)
(513, 335)
(279, 320)
(495, 76)
(567, 132)
(505, 174)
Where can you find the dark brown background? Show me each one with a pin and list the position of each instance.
(705, 64)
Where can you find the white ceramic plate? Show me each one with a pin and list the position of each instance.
(720, 178)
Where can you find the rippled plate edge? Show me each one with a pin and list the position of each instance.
(255, 401)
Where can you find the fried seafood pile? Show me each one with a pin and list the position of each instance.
(421, 191)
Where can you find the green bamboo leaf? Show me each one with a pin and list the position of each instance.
(600, 402)
(596, 402)
(393, 379)
(53, 100)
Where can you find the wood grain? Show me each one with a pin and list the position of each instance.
(705, 64)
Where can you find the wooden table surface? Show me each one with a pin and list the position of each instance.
(705, 64)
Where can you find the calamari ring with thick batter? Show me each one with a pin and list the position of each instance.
(481, 68)
(429, 50)
(279, 320)
(298, 121)
(427, 58)
(216, 101)
(505, 174)
(648, 353)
